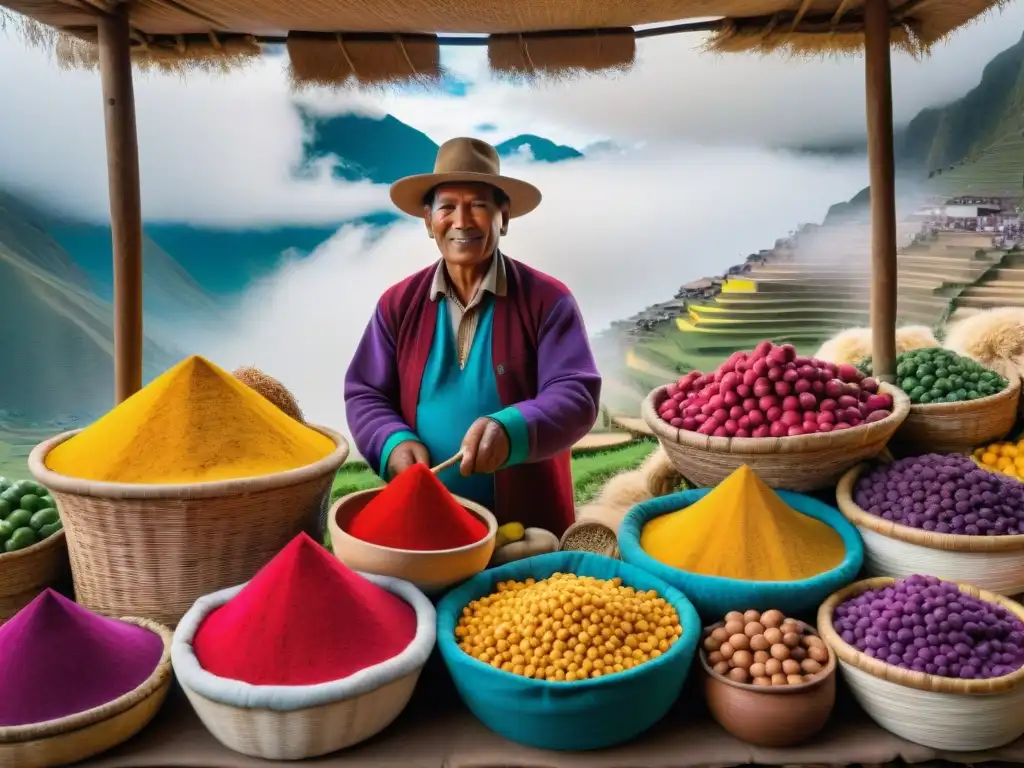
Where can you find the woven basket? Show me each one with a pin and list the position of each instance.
(939, 712)
(293, 722)
(25, 573)
(590, 536)
(85, 734)
(995, 563)
(958, 427)
(152, 550)
(804, 463)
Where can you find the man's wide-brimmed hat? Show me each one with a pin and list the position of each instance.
(461, 161)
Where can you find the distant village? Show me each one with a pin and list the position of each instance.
(998, 215)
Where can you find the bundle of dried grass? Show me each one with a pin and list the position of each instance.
(270, 388)
(374, 60)
(555, 55)
(854, 344)
(990, 336)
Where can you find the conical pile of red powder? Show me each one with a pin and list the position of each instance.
(304, 619)
(415, 511)
(58, 658)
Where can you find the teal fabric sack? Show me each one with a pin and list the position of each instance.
(589, 714)
(715, 596)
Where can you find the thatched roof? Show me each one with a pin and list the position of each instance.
(338, 41)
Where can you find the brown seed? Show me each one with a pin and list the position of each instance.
(789, 626)
(762, 681)
(753, 628)
(819, 654)
(794, 679)
(734, 628)
(759, 643)
(742, 659)
(773, 667)
(813, 640)
(757, 670)
(799, 653)
(733, 616)
(779, 679)
(720, 634)
(791, 639)
(791, 667)
(773, 635)
(810, 667)
(739, 642)
(711, 644)
(714, 657)
(751, 615)
(722, 668)
(761, 656)
(726, 650)
(773, 618)
(739, 675)
(779, 651)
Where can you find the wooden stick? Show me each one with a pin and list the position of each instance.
(125, 197)
(446, 464)
(878, 85)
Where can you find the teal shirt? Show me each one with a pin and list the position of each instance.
(452, 398)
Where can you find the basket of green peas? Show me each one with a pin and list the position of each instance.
(33, 550)
(956, 403)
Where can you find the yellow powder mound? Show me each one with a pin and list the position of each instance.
(195, 423)
(743, 530)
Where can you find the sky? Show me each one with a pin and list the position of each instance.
(698, 189)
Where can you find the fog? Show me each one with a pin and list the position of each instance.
(621, 232)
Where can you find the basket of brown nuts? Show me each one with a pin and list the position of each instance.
(768, 679)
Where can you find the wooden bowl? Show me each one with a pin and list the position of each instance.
(780, 716)
(431, 571)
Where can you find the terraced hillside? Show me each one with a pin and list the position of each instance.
(802, 292)
(996, 171)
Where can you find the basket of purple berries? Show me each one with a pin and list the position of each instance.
(934, 662)
(940, 514)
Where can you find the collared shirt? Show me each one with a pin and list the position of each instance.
(465, 319)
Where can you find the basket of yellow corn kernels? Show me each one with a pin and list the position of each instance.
(593, 651)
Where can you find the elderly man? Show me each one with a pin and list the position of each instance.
(476, 353)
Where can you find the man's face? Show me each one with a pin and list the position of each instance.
(466, 222)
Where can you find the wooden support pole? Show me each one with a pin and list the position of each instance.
(878, 85)
(125, 197)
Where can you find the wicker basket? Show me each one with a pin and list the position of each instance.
(590, 536)
(995, 563)
(958, 427)
(293, 722)
(152, 550)
(25, 573)
(939, 712)
(85, 734)
(804, 463)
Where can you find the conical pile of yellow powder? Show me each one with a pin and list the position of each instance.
(743, 530)
(195, 423)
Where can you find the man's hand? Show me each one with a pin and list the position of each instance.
(406, 454)
(484, 448)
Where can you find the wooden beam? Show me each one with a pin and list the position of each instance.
(125, 199)
(878, 85)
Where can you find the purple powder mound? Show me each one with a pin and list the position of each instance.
(928, 625)
(57, 659)
(944, 494)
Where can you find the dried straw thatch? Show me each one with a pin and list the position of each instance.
(555, 55)
(530, 39)
(340, 60)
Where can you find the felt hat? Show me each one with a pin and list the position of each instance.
(461, 161)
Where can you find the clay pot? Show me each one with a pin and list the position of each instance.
(781, 716)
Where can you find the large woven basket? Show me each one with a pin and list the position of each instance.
(293, 722)
(85, 734)
(25, 573)
(958, 427)
(152, 550)
(995, 563)
(804, 463)
(939, 712)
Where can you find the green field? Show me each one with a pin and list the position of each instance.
(589, 470)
